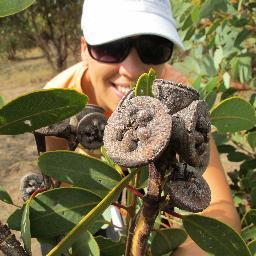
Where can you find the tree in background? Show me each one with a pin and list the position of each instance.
(15, 36)
(54, 26)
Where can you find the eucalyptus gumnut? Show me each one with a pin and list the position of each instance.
(86, 128)
(90, 130)
(175, 96)
(190, 136)
(138, 131)
(32, 182)
(124, 102)
(187, 189)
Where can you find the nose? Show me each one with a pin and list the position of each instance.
(132, 67)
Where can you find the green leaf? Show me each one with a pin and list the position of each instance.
(248, 165)
(8, 7)
(249, 233)
(226, 79)
(166, 240)
(214, 26)
(251, 138)
(253, 100)
(86, 245)
(242, 36)
(187, 23)
(220, 139)
(238, 64)
(141, 86)
(233, 114)
(151, 78)
(253, 197)
(109, 247)
(40, 108)
(79, 170)
(218, 56)
(54, 212)
(195, 14)
(1, 101)
(210, 6)
(143, 179)
(109, 161)
(236, 156)
(189, 34)
(14, 220)
(228, 93)
(252, 247)
(211, 98)
(89, 218)
(144, 84)
(212, 84)
(249, 182)
(25, 227)
(226, 148)
(250, 217)
(214, 236)
(197, 83)
(4, 196)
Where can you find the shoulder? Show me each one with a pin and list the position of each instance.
(66, 78)
(171, 73)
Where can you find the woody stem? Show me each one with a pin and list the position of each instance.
(148, 214)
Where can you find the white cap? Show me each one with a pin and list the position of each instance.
(104, 21)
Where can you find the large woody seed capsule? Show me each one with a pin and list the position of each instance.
(188, 190)
(138, 131)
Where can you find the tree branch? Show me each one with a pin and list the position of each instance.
(9, 245)
(149, 211)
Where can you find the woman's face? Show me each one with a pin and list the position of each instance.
(110, 82)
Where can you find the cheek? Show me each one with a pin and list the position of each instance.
(100, 73)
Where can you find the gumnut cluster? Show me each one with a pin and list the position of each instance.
(86, 128)
(171, 130)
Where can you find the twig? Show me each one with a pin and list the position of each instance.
(130, 235)
(135, 191)
(173, 213)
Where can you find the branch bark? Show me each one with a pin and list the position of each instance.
(149, 212)
(9, 245)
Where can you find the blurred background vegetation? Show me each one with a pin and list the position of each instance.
(51, 25)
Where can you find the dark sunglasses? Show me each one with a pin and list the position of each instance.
(151, 50)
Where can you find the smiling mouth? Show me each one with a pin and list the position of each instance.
(122, 89)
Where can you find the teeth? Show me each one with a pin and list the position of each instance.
(123, 90)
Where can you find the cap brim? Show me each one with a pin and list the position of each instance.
(121, 26)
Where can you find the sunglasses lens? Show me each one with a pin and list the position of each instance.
(151, 49)
(114, 52)
(154, 49)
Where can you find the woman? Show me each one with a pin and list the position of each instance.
(123, 39)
